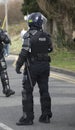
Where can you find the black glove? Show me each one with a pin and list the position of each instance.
(18, 70)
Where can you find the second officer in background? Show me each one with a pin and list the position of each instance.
(4, 39)
(34, 53)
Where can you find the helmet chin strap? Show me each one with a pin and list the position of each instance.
(35, 28)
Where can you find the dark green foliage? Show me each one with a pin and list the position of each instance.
(70, 44)
(29, 6)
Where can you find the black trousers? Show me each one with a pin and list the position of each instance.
(4, 74)
(39, 72)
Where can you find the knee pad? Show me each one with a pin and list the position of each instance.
(25, 78)
(27, 95)
(24, 96)
(3, 65)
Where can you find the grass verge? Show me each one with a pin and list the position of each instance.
(64, 59)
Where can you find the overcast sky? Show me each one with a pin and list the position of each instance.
(1, 1)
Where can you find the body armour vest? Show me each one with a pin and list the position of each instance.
(39, 43)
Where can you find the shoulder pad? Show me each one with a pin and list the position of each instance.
(48, 35)
(33, 32)
(26, 35)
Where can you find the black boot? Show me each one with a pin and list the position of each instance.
(8, 92)
(45, 118)
(24, 121)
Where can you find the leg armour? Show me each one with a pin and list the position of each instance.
(27, 103)
(3, 65)
(5, 80)
(46, 104)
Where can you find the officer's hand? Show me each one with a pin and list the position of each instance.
(18, 71)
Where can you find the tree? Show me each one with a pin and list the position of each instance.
(29, 6)
(15, 17)
(62, 15)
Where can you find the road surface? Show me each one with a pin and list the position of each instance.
(62, 91)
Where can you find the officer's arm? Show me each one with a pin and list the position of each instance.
(21, 59)
(4, 38)
(50, 46)
(24, 53)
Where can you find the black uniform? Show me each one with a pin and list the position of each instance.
(3, 67)
(34, 54)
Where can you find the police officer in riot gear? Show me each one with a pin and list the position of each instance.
(34, 54)
(3, 67)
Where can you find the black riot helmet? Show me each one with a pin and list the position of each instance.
(36, 20)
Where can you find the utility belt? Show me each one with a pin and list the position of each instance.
(40, 58)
